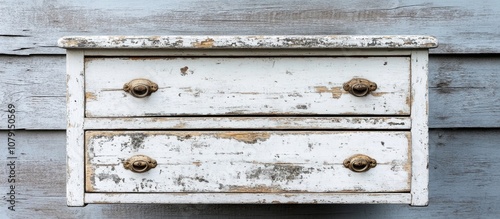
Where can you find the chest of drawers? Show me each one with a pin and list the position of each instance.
(247, 119)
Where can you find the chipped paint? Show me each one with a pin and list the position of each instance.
(184, 70)
(409, 164)
(250, 123)
(279, 172)
(253, 161)
(113, 177)
(270, 91)
(335, 91)
(207, 43)
(379, 94)
(247, 137)
(257, 188)
(285, 161)
(89, 176)
(180, 125)
(89, 96)
(249, 42)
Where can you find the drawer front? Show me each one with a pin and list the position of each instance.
(243, 161)
(247, 86)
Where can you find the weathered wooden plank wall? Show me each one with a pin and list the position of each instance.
(464, 84)
(33, 27)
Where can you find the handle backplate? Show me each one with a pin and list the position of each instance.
(139, 163)
(359, 87)
(140, 87)
(360, 163)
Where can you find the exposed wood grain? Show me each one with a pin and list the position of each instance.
(419, 129)
(461, 26)
(463, 91)
(462, 185)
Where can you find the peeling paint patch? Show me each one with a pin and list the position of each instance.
(287, 162)
(279, 172)
(90, 96)
(254, 42)
(283, 173)
(208, 43)
(137, 140)
(379, 94)
(114, 177)
(184, 137)
(304, 107)
(258, 188)
(247, 137)
(335, 91)
(184, 70)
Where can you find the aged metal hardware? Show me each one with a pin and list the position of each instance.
(360, 163)
(360, 87)
(140, 87)
(139, 163)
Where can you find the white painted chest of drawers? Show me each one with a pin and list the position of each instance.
(247, 119)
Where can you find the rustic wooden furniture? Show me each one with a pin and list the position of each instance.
(247, 119)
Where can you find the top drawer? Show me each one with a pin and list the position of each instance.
(246, 86)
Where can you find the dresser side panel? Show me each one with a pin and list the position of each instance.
(74, 131)
(419, 130)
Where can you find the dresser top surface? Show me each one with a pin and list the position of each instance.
(250, 42)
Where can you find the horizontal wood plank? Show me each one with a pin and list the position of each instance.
(463, 91)
(461, 26)
(461, 185)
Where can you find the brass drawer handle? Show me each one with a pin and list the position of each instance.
(359, 87)
(140, 87)
(360, 163)
(139, 163)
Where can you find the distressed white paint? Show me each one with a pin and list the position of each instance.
(247, 42)
(74, 132)
(246, 86)
(105, 67)
(419, 129)
(249, 123)
(242, 161)
(250, 198)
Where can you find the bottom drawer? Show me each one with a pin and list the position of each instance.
(247, 161)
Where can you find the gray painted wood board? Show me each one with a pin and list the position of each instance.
(463, 91)
(463, 184)
(33, 27)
